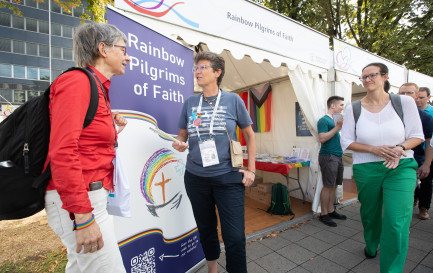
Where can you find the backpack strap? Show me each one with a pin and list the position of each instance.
(286, 202)
(356, 107)
(396, 103)
(94, 96)
(90, 114)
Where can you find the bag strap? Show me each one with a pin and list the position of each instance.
(106, 102)
(356, 106)
(396, 103)
(94, 96)
(274, 192)
(90, 114)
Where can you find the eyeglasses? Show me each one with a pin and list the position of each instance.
(123, 48)
(200, 67)
(406, 93)
(371, 76)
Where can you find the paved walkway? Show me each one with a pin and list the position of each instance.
(310, 246)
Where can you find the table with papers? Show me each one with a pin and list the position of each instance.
(283, 169)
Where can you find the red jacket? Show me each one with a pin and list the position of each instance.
(79, 156)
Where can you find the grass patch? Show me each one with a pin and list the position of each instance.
(50, 262)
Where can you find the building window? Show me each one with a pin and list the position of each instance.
(24, 72)
(44, 74)
(44, 50)
(5, 20)
(19, 96)
(17, 22)
(43, 5)
(36, 25)
(55, 7)
(32, 49)
(31, 3)
(67, 54)
(32, 73)
(64, 11)
(18, 47)
(5, 70)
(67, 31)
(31, 24)
(56, 29)
(78, 11)
(32, 94)
(19, 71)
(5, 95)
(56, 52)
(5, 45)
(44, 27)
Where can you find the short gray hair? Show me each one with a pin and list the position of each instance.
(217, 62)
(87, 38)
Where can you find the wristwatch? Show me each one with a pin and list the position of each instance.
(402, 146)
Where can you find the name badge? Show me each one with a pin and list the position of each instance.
(209, 155)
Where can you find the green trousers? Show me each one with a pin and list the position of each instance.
(386, 198)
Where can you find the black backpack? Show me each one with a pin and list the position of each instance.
(24, 141)
(280, 203)
(395, 102)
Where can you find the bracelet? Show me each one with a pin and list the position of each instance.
(83, 225)
(251, 171)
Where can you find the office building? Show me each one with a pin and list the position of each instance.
(34, 49)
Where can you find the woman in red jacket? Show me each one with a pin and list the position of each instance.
(81, 158)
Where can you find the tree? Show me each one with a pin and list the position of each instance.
(322, 15)
(95, 9)
(398, 30)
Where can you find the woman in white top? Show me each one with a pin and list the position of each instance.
(383, 167)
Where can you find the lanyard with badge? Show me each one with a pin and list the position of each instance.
(209, 155)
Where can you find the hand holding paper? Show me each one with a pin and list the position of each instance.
(163, 134)
(177, 144)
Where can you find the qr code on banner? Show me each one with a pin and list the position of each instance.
(144, 263)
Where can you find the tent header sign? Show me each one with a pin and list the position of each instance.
(239, 21)
(352, 60)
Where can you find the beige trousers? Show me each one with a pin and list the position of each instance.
(107, 259)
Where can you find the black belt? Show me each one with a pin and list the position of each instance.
(94, 186)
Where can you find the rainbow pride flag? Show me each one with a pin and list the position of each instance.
(260, 108)
(240, 136)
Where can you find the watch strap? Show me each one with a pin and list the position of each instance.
(402, 146)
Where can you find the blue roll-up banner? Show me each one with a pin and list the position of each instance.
(161, 235)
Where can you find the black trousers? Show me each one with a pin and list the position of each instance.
(424, 191)
(227, 193)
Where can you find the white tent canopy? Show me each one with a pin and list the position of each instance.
(247, 66)
(420, 79)
(256, 53)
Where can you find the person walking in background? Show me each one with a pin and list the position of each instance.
(209, 121)
(81, 159)
(423, 154)
(330, 159)
(383, 166)
(423, 99)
